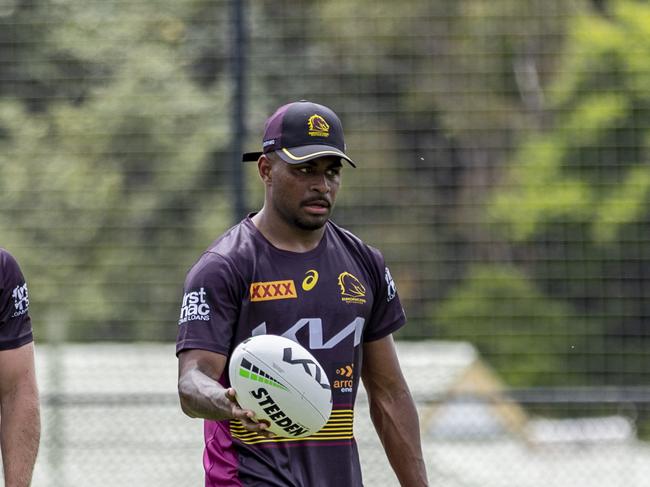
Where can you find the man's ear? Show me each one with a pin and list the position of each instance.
(264, 166)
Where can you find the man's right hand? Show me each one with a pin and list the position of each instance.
(247, 417)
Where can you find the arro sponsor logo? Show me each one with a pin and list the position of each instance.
(268, 291)
(352, 291)
(318, 127)
(194, 307)
(21, 300)
(274, 412)
(344, 381)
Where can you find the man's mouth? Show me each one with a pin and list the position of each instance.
(318, 207)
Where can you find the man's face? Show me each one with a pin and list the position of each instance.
(304, 194)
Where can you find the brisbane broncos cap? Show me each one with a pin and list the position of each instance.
(301, 131)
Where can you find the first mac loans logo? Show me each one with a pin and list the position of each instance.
(21, 300)
(194, 307)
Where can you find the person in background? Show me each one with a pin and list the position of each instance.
(289, 270)
(19, 406)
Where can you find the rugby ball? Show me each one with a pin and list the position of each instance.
(282, 383)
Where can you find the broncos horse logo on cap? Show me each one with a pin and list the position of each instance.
(318, 127)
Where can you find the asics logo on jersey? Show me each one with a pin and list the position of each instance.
(21, 300)
(310, 281)
(194, 307)
(267, 291)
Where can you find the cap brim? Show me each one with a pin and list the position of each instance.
(304, 153)
(251, 156)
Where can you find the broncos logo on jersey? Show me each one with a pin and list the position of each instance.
(352, 291)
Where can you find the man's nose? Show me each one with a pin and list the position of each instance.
(320, 184)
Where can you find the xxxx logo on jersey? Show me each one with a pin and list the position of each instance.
(268, 291)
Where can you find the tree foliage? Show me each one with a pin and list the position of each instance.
(107, 192)
(511, 133)
(576, 211)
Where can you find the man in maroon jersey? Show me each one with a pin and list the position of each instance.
(19, 409)
(288, 270)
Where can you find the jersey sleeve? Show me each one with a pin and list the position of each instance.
(387, 313)
(15, 322)
(210, 306)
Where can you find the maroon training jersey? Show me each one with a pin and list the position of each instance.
(15, 324)
(330, 300)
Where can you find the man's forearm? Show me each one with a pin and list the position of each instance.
(396, 421)
(203, 397)
(20, 430)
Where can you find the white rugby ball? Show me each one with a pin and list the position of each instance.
(282, 383)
